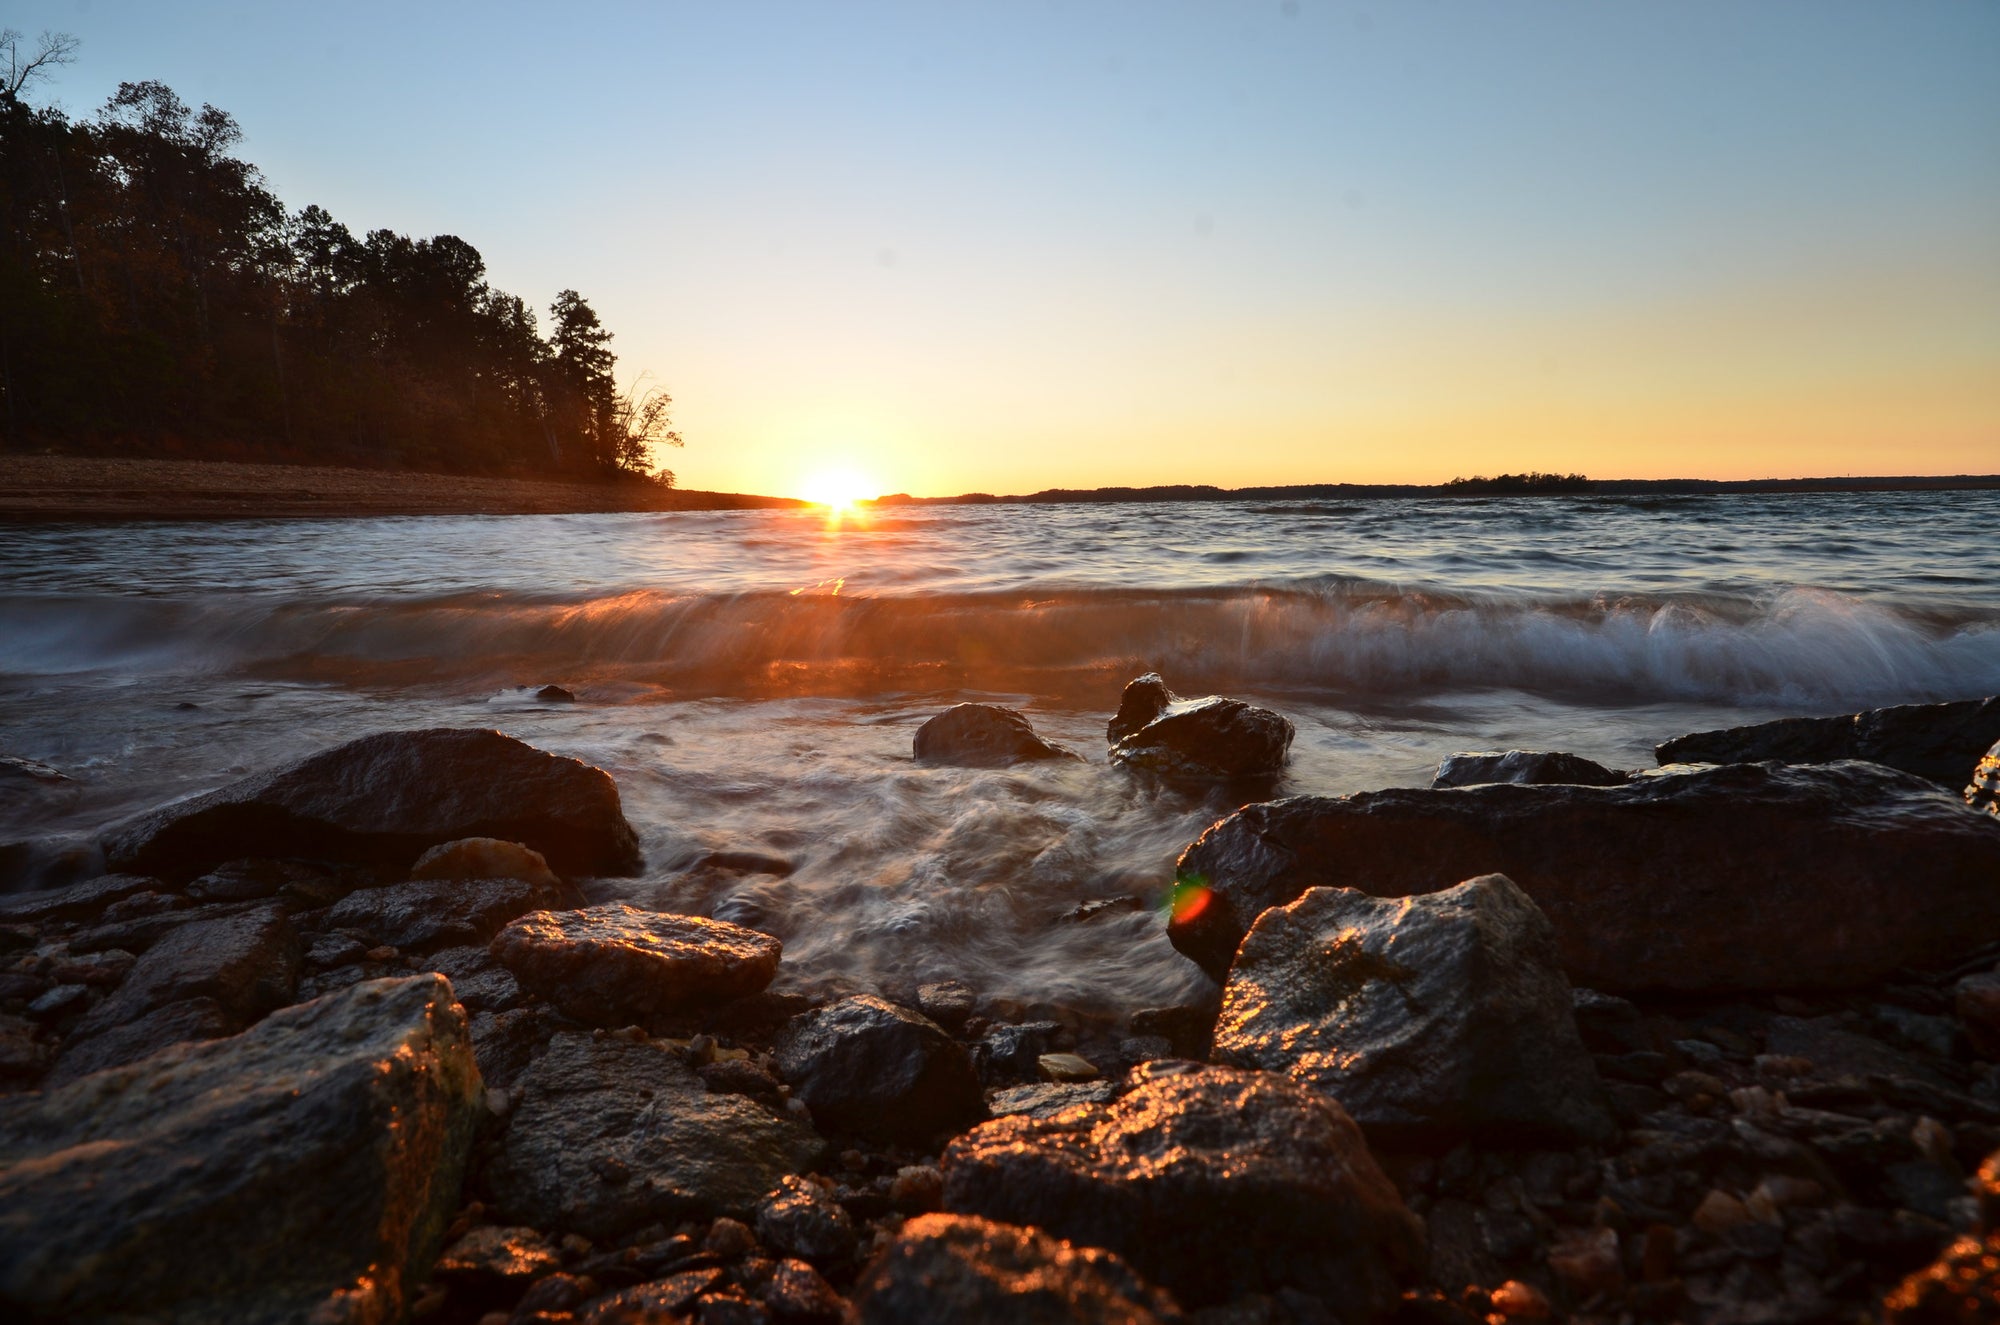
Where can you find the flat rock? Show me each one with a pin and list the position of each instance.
(246, 964)
(962, 1268)
(1047, 1099)
(864, 1065)
(308, 1164)
(1529, 767)
(1746, 877)
(1983, 792)
(1429, 1018)
(1210, 739)
(610, 1135)
(1940, 742)
(78, 901)
(1212, 1181)
(383, 800)
(614, 965)
(982, 736)
(437, 913)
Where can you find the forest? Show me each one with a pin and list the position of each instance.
(158, 299)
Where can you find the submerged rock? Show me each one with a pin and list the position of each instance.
(1936, 741)
(1211, 739)
(306, 1165)
(982, 736)
(610, 1135)
(960, 1268)
(386, 798)
(1429, 1018)
(437, 912)
(614, 965)
(1530, 767)
(1983, 793)
(1752, 876)
(1212, 1181)
(864, 1065)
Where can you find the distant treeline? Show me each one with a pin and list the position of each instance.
(157, 298)
(1511, 484)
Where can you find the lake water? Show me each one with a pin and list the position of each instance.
(752, 678)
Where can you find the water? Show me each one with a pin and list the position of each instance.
(752, 678)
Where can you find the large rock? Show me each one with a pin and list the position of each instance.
(1752, 876)
(1196, 739)
(438, 913)
(866, 1066)
(1983, 792)
(307, 1164)
(959, 1268)
(386, 798)
(1212, 1181)
(248, 964)
(611, 1135)
(1936, 741)
(1529, 767)
(1429, 1018)
(982, 736)
(615, 965)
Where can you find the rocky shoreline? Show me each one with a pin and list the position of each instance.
(1715, 1041)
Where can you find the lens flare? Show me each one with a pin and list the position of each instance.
(1190, 898)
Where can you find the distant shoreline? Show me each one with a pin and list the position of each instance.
(77, 488)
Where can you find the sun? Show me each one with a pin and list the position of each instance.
(837, 489)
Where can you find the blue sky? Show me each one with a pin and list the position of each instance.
(1002, 247)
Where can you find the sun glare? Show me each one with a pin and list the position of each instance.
(837, 489)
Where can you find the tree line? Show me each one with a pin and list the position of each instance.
(157, 298)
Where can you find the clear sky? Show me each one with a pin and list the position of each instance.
(1008, 246)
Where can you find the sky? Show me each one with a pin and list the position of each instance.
(1001, 247)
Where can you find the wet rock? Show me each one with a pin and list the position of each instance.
(1211, 739)
(1960, 1288)
(324, 952)
(436, 913)
(1083, 912)
(864, 1065)
(744, 862)
(956, 1268)
(614, 965)
(740, 1076)
(1976, 999)
(1186, 1027)
(79, 901)
(1530, 767)
(17, 771)
(308, 1164)
(1983, 792)
(383, 800)
(1940, 742)
(1050, 1098)
(611, 1135)
(660, 1301)
(252, 879)
(1675, 881)
(949, 1003)
(1066, 1068)
(1213, 1181)
(485, 858)
(798, 1295)
(1428, 1017)
(982, 736)
(146, 1034)
(1012, 1051)
(246, 964)
(498, 1255)
(22, 1054)
(555, 694)
(799, 1219)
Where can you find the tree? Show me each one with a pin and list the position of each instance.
(51, 49)
(585, 393)
(643, 425)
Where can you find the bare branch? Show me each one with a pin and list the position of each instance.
(51, 49)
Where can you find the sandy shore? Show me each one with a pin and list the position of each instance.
(79, 488)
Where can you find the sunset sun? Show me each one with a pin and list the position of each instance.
(837, 489)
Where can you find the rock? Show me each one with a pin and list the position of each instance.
(864, 1065)
(79, 901)
(798, 1295)
(1983, 793)
(956, 1268)
(498, 1255)
(17, 772)
(1196, 739)
(1016, 1051)
(1529, 767)
(147, 1034)
(657, 1303)
(1048, 1099)
(252, 880)
(610, 1135)
(982, 736)
(1961, 1287)
(246, 964)
(437, 913)
(22, 1054)
(307, 1164)
(383, 800)
(555, 694)
(613, 965)
(1429, 1018)
(1213, 1181)
(801, 1220)
(1976, 999)
(484, 858)
(744, 862)
(1675, 881)
(1935, 741)
(949, 1003)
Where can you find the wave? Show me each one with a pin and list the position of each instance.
(1792, 647)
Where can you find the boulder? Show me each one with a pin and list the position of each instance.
(142, 1036)
(1429, 1018)
(1935, 741)
(246, 964)
(1529, 767)
(1983, 793)
(982, 736)
(386, 798)
(614, 965)
(959, 1268)
(484, 858)
(1211, 739)
(1746, 877)
(437, 913)
(1212, 1181)
(309, 1164)
(799, 1219)
(864, 1065)
(610, 1135)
